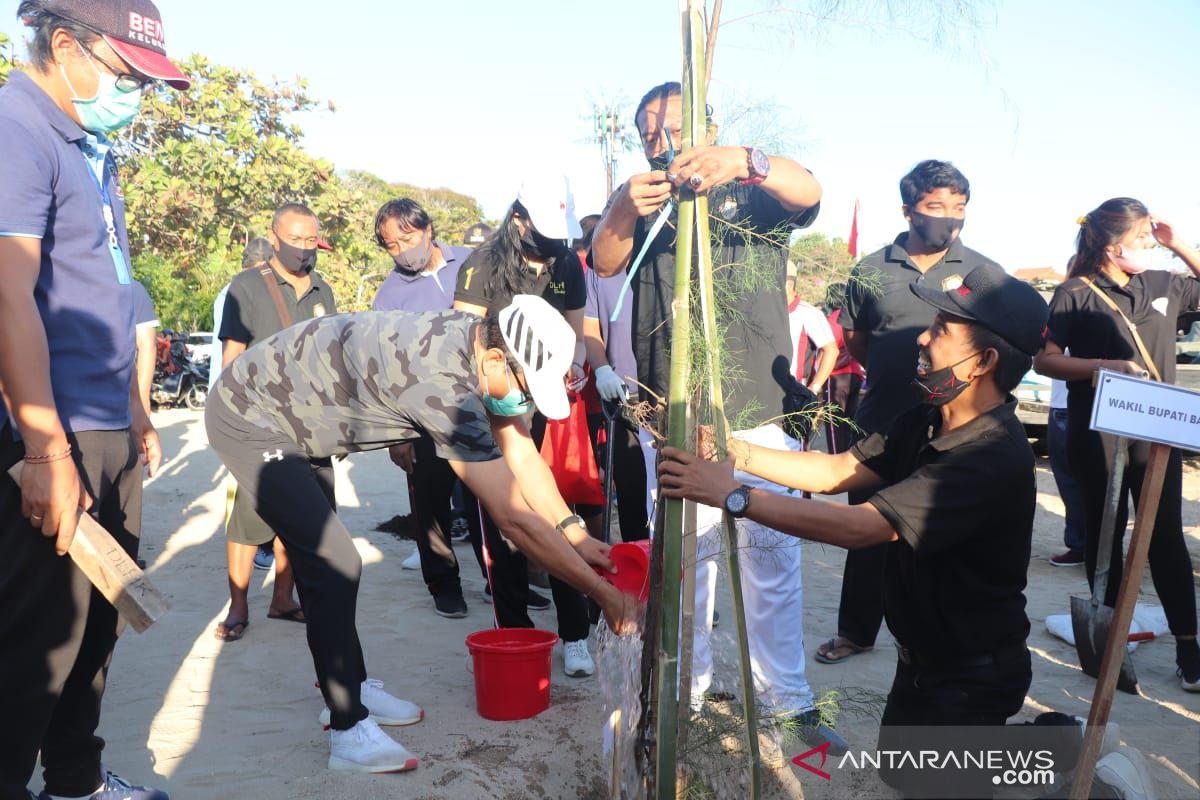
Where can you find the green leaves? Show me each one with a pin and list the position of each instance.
(7, 60)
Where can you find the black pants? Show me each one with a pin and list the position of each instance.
(933, 697)
(509, 579)
(860, 612)
(276, 476)
(842, 391)
(430, 488)
(56, 631)
(1170, 564)
(629, 475)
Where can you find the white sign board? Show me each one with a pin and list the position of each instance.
(1147, 410)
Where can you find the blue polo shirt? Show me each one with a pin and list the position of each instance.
(423, 291)
(50, 189)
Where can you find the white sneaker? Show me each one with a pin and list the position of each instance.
(383, 707)
(577, 661)
(366, 748)
(1125, 771)
(413, 561)
(1112, 736)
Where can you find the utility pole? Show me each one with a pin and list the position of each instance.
(610, 135)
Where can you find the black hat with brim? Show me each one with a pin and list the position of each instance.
(989, 296)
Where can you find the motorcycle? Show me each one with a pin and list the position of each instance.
(178, 381)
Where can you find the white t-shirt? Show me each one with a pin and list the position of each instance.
(214, 363)
(807, 320)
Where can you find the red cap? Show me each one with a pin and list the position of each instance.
(133, 28)
(324, 245)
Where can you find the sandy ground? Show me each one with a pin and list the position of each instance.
(205, 719)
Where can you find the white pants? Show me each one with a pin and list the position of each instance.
(772, 590)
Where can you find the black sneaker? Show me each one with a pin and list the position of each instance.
(814, 733)
(459, 530)
(450, 604)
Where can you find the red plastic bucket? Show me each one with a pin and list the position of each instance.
(512, 672)
(632, 560)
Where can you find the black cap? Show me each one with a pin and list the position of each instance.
(989, 296)
(477, 234)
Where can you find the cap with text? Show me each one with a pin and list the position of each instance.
(133, 28)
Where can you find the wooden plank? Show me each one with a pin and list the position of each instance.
(1118, 632)
(110, 569)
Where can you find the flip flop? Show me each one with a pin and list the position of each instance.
(824, 652)
(232, 632)
(291, 615)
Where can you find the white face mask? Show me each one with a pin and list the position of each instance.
(1133, 262)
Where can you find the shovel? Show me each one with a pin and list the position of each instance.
(611, 410)
(1091, 619)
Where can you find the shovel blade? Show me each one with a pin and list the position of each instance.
(1101, 625)
(1081, 624)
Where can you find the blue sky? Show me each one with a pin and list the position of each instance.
(1052, 108)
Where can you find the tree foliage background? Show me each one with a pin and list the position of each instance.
(203, 171)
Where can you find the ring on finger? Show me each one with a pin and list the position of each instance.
(35, 518)
(695, 180)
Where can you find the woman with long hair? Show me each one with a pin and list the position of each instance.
(1109, 302)
(530, 253)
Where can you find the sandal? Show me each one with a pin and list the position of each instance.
(291, 615)
(231, 631)
(828, 652)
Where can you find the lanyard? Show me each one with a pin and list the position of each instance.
(110, 219)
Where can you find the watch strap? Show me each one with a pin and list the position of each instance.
(567, 522)
(755, 176)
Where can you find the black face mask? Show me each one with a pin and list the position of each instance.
(296, 260)
(537, 247)
(937, 232)
(661, 162)
(940, 386)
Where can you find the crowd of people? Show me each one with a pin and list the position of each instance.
(472, 353)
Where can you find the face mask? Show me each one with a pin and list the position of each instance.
(662, 161)
(1133, 262)
(537, 247)
(111, 109)
(940, 386)
(937, 232)
(296, 260)
(513, 404)
(415, 259)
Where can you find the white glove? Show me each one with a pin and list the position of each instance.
(609, 384)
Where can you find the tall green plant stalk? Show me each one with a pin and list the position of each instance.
(667, 672)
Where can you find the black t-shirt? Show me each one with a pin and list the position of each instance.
(250, 314)
(560, 283)
(879, 303)
(750, 230)
(963, 505)
(1083, 323)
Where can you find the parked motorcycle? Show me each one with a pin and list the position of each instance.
(178, 381)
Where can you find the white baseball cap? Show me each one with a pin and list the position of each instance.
(551, 206)
(543, 343)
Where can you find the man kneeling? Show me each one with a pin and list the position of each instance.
(349, 383)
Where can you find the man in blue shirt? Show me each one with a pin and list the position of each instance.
(424, 279)
(67, 369)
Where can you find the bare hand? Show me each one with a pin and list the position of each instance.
(689, 477)
(402, 456)
(704, 168)
(51, 496)
(145, 439)
(622, 612)
(1127, 368)
(596, 554)
(575, 379)
(1164, 234)
(647, 192)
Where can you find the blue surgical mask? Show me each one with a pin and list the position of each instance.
(111, 109)
(513, 404)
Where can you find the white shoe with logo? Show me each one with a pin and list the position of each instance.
(577, 661)
(383, 707)
(366, 748)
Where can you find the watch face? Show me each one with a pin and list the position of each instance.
(736, 502)
(762, 164)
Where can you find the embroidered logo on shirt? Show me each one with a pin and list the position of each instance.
(1159, 304)
(319, 310)
(268, 456)
(558, 288)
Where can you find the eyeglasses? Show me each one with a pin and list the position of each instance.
(126, 82)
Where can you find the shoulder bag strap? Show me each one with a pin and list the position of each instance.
(1137, 339)
(272, 281)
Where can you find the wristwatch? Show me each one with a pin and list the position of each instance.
(738, 501)
(758, 165)
(567, 522)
